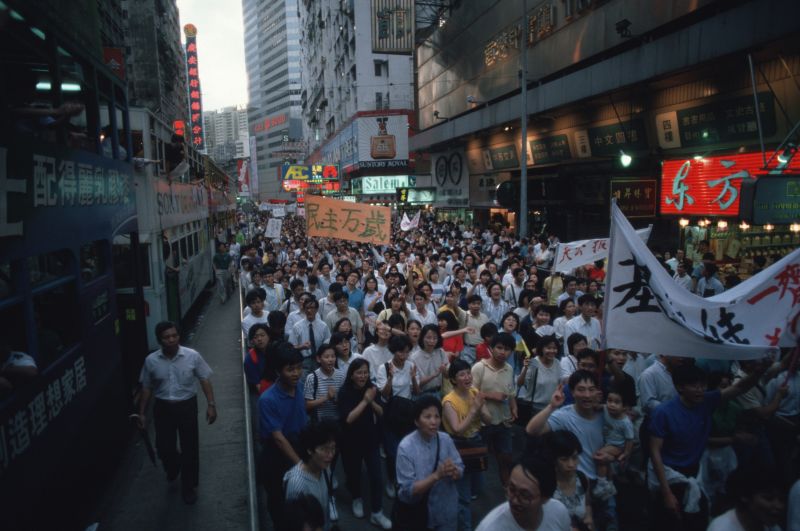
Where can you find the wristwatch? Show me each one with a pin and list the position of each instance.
(212, 404)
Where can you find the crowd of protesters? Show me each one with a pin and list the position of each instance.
(420, 361)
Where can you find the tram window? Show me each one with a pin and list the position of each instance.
(50, 266)
(93, 260)
(190, 245)
(196, 242)
(6, 286)
(124, 265)
(184, 253)
(12, 339)
(58, 322)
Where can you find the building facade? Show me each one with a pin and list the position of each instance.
(357, 95)
(664, 83)
(155, 64)
(272, 59)
(227, 134)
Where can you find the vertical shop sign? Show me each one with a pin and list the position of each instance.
(195, 94)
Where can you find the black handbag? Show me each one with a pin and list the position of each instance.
(413, 516)
(399, 415)
(474, 453)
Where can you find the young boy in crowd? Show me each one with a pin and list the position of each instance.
(618, 437)
(483, 350)
(322, 386)
(494, 379)
(281, 411)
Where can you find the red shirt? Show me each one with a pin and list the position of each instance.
(482, 351)
(453, 344)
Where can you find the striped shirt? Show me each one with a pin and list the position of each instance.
(328, 410)
(297, 482)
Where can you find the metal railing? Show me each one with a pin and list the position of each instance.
(252, 492)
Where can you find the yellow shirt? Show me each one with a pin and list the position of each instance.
(462, 410)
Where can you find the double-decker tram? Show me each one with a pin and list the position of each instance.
(172, 199)
(68, 350)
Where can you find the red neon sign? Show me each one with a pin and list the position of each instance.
(710, 186)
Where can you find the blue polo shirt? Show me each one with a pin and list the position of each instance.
(277, 411)
(355, 298)
(685, 430)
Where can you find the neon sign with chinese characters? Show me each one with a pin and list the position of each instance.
(710, 186)
(195, 95)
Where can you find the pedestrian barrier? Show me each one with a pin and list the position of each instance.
(252, 494)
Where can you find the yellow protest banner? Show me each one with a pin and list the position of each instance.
(331, 218)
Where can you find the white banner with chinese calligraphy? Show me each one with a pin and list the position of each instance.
(273, 230)
(579, 253)
(331, 218)
(645, 311)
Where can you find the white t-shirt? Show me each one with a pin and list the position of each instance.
(555, 518)
(730, 522)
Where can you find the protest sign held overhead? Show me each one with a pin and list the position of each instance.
(331, 218)
(408, 224)
(579, 253)
(273, 228)
(646, 311)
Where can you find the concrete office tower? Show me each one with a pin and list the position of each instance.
(227, 136)
(272, 58)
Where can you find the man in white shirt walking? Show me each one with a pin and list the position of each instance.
(169, 374)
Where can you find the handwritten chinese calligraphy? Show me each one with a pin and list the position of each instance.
(331, 218)
(637, 289)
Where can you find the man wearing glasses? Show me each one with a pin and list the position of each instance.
(530, 505)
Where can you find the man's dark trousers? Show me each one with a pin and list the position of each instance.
(172, 419)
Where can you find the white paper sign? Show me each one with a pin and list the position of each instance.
(273, 228)
(645, 310)
(279, 212)
(578, 253)
(408, 224)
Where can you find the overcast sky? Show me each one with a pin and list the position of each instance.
(220, 50)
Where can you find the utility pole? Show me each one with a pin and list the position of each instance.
(523, 73)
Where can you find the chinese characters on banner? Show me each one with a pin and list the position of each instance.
(710, 186)
(273, 230)
(195, 94)
(243, 172)
(745, 322)
(578, 253)
(23, 427)
(331, 218)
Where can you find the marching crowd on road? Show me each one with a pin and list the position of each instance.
(415, 363)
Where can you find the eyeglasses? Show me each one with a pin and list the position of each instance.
(522, 496)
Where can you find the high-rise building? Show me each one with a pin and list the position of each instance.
(272, 58)
(227, 135)
(357, 94)
(155, 63)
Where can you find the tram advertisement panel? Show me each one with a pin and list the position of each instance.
(46, 186)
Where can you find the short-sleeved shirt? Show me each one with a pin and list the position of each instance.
(684, 430)
(427, 364)
(376, 355)
(328, 409)
(616, 432)
(555, 517)
(174, 378)
(355, 298)
(401, 381)
(279, 411)
(588, 431)
(297, 482)
(487, 379)
(461, 408)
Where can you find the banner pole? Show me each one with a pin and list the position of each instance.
(792, 364)
(606, 299)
